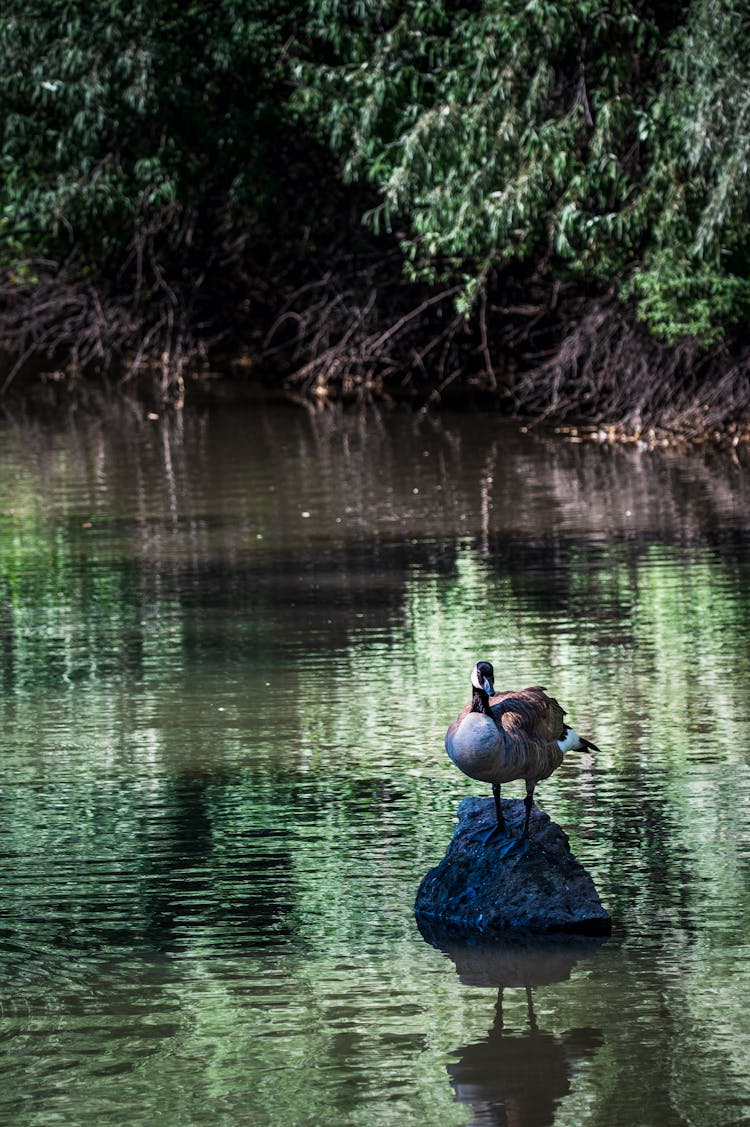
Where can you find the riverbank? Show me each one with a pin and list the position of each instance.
(244, 382)
(610, 434)
(504, 237)
(59, 396)
(346, 327)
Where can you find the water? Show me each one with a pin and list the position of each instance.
(230, 645)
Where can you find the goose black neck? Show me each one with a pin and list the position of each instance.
(480, 701)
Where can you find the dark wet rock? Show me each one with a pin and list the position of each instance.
(543, 889)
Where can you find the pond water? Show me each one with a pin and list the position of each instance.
(231, 643)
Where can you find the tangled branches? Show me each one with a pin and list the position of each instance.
(532, 348)
(138, 326)
(346, 325)
(361, 331)
(71, 330)
(606, 367)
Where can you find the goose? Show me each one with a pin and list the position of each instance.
(499, 737)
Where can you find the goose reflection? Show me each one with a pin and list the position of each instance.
(515, 1078)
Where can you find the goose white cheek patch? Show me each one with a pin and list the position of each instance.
(570, 741)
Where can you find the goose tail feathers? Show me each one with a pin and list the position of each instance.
(571, 741)
(586, 745)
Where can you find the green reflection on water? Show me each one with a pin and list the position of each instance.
(222, 771)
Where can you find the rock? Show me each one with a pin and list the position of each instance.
(541, 890)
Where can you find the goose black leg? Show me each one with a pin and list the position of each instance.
(500, 830)
(528, 803)
(520, 844)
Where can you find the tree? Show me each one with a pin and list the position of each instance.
(599, 140)
(168, 179)
(142, 150)
(504, 132)
(694, 276)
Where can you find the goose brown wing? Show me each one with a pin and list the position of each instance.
(530, 712)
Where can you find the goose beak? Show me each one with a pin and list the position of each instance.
(489, 688)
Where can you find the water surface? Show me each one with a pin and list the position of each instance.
(230, 646)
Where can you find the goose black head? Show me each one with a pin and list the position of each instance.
(483, 677)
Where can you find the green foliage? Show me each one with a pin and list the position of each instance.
(120, 119)
(694, 278)
(681, 295)
(607, 140)
(503, 132)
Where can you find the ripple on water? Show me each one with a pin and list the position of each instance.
(223, 777)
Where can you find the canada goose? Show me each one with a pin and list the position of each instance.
(499, 737)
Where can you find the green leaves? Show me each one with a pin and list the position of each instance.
(612, 141)
(605, 140)
(681, 296)
(694, 279)
(494, 148)
(111, 112)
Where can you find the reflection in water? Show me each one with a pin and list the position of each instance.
(230, 644)
(511, 1078)
(517, 1079)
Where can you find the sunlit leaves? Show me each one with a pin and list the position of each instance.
(604, 141)
(695, 279)
(504, 140)
(612, 141)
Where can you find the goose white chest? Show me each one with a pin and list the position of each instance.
(475, 745)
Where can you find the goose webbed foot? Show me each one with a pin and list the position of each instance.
(497, 833)
(516, 847)
(507, 845)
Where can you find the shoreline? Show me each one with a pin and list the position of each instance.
(60, 391)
